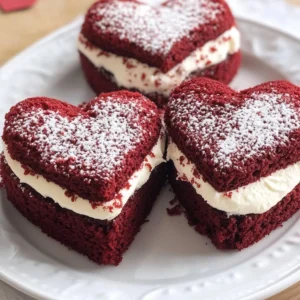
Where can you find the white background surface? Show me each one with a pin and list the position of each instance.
(272, 12)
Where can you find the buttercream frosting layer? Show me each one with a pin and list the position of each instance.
(133, 74)
(97, 210)
(254, 198)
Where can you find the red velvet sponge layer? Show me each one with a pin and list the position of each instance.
(102, 81)
(235, 138)
(90, 151)
(103, 242)
(234, 232)
(150, 34)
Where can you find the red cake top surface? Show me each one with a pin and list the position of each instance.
(235, 138)
(151, 27)
(127, 27)
(90, 151)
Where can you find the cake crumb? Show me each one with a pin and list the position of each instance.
(173, 201)
(175, 211)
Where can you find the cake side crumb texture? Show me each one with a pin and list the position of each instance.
(104, 242)
(232, 232)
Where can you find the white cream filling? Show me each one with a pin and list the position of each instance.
(130, 73)
(108, 210)
(254, 198)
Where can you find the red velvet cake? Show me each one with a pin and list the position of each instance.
(152, 49)
(86, 176)
(234, 158)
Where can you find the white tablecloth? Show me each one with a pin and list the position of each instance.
(275, 13)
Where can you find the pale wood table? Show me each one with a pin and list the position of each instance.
(20, 29)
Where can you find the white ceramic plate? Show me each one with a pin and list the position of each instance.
(167, 260)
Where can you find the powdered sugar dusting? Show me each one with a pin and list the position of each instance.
(230, 135)
(87, 144)
(156, 29)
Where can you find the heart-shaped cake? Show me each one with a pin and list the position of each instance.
(85, 175)
(152, 49)
(235, 157)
